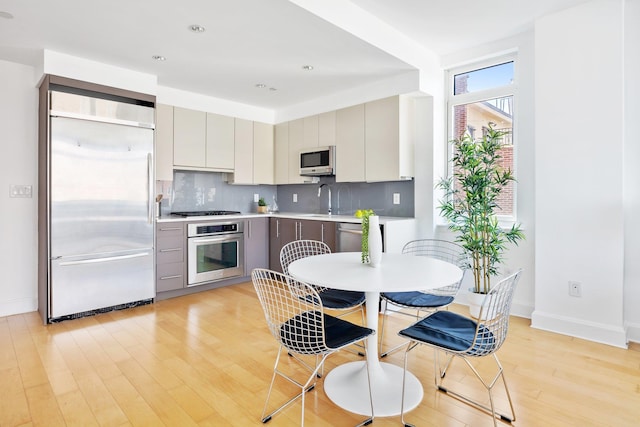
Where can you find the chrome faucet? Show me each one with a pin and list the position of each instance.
(328, 189)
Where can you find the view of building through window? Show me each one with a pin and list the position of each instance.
(474, 117)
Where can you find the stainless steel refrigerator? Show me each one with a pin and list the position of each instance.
(100, 209)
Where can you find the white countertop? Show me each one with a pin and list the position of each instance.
(291, 215)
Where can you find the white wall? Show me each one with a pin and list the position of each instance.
(631, 170)
(18, 165)
(579, 171)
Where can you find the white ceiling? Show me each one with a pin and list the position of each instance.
(247, 42)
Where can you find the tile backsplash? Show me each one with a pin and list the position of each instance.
(192, 191)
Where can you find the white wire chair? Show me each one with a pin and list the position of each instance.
(428, 300)
(296, 319)
(333, 299)
(467, 339)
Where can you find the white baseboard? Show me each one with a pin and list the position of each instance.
(633, 332)
(592, 331)
(18, 306)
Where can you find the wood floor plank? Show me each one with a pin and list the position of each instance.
(14, 408)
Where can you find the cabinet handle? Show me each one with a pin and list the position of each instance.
(277, 228)
(322, 232)
(171, 229)
(177, 276)
(249, 224)
(171, 250)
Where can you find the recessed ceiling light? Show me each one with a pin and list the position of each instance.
(197, 28)
(261, 85)
(159, 58)
(5, 15)
(307, 67)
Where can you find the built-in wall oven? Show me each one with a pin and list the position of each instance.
(215, 251)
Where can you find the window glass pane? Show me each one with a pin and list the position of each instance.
(484, 78)
(474, 118)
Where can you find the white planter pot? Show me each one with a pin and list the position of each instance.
(476, 302)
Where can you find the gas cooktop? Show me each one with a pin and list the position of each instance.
(205, 213)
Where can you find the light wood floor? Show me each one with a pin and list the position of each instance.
(206, 360)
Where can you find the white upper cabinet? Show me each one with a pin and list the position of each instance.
(263, 153)
(296, 144)
(220, 145)
(281, 163)
(254, 153)
(243, 170)
(164, 142)
(189, 137)
(327, 129)
(389, 139)
(350, 144)
(310, 132)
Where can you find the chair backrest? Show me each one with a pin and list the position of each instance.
(293, 311)
(440, 249)
(493, 321)
(443, 250)
(297, 249)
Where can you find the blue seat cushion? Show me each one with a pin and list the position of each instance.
(301, 333)
(451, 331)
(417, 299)
(337, 299)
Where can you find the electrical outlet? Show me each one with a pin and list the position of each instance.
(20, 191)
(396, 198)
(575, 289)
(295, 198)
(256, 197)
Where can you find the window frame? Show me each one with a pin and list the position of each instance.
(452, 101)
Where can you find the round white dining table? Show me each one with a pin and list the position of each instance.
(346, 385)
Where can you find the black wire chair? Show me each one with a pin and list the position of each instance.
(422, 302)
(461, 337)
(296, 319)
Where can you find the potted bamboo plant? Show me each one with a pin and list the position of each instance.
(470, 204)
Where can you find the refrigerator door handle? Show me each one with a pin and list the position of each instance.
(150, 188)
(104, 259)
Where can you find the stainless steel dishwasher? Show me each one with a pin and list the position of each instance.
(349, 237)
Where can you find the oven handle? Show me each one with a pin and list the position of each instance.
(216, 239)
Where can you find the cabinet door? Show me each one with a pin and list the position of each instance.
(256, 248)
(310, 132)
(243, 171)
(281, 232)
(327, 129)
(189, 137)
(274, 244)
(263, 152)
(323, 231)
(382, 129)
(350, 155)
(281, 163)
(296, 143)
(164, 142)
(220, 142)
(170, 256)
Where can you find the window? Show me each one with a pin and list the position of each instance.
(479, 95)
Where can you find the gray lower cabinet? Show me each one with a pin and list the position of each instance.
(256, 244)
(285, 230)
(170, 256)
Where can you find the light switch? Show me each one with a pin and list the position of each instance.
(295, 198)
(21, 191)
(256, 197)
(396, 198)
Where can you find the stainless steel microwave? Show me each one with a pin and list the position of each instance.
(318, 161)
